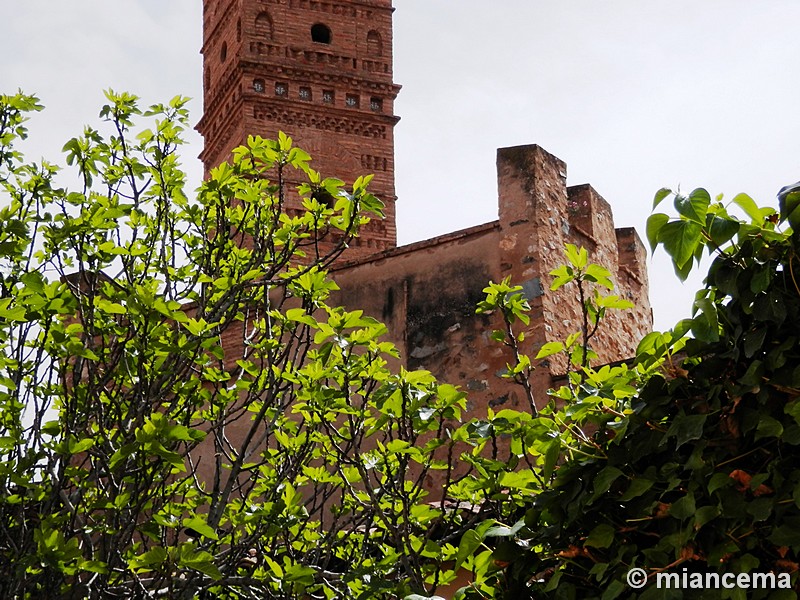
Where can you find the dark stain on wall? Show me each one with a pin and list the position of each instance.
(442, 302)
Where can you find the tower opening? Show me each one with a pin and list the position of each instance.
(374, 43)
(264, 27)
(321, 33)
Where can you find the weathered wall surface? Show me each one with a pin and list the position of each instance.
(427, 292)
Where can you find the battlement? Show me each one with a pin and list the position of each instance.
(427, 292)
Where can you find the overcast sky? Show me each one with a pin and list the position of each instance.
(633, 95)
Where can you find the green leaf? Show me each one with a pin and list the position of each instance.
(680, 239)
(600, 537)
(152, 558)
(76, 447)
(790, 209)
(768, 427)
(695, 206)
(503, 531)
(109, 307)
(470, 542)
(637, 487)
(686, 428)
(300, 574)
(549, 349)
(199, 560)
(199, 525)
(705, 514)
(718, 480)
(793, 409)
(660, 195)
(787, 533)
(11, 313)
(521, 480)
(52, 428)
(551, 458)
(722, 229)
(748, 205)
(603, 481)
(599, 275)
(93, 566)
(753, 341)
(683, 508)
(705, 326)
(577, 257)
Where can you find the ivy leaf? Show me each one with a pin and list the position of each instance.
(605, 478)
(683, 508)
(705, 326)
(768, 427)
(686, 428)
(600, 537)
(705, 514)
(637, 487)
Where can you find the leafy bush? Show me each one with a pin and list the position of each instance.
(182, 413)
(697, 466)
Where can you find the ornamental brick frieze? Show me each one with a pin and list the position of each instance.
(301, 74)
(339, 124)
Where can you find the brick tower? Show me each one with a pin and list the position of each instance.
(319, 70)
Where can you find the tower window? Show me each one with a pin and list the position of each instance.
(376, 104)
(305, 93)
(281, 89)
(321, 33)
(258, 85)
(223, 52)
(328, 97)
(352, 100)
(374, 43)
(264, 28)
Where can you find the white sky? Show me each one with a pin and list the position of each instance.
(633, 95)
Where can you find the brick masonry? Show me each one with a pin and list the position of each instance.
(321, 71)
(318, 70)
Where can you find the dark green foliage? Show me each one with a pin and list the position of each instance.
(699, 469)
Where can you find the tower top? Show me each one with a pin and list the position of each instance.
(319, 70)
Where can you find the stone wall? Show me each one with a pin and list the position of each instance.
(427, 292)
